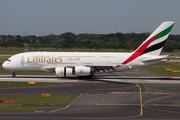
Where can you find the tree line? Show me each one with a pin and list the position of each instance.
(91, 41)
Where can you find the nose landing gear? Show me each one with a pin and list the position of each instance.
(13, 75)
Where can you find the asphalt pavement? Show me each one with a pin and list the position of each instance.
(105, 97)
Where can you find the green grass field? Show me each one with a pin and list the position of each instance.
(160, 69)
(36, 102)
(20, 84)
(13, 50)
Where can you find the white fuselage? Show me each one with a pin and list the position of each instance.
(48, 61)
(35, 61)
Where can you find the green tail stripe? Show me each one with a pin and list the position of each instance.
(164, 32)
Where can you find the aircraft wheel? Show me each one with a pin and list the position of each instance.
(92, 76)
(13, 75)
(80, 77)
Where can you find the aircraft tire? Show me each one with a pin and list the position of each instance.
(13, 76)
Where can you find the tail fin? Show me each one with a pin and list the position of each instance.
(154, 43)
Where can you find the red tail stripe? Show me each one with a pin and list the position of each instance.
(138, 52)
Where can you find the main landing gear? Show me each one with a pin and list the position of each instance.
(93, 76)
(13, 75)
(87, 77)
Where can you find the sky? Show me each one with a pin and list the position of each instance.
(39, 17)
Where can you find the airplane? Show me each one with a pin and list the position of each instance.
(87, 64)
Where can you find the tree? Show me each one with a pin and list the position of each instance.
(97, 47)
(45, 41)
(67, 35)
(168, 48)
(66, 45)
(18, 36)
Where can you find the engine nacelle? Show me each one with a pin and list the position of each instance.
(82, 71)
(63, 71)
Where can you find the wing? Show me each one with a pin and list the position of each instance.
(48, 68)
(94, 68)
(99, 69)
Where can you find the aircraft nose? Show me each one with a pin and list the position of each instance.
(6, 65)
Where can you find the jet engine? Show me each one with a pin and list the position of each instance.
(63, 71)
(82, 71)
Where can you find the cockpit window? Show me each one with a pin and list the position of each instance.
(9, 60)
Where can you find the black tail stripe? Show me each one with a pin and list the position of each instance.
(154, 47)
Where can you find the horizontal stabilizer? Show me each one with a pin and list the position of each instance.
(157, 58)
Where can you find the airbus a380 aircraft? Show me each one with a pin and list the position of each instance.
(89, 63)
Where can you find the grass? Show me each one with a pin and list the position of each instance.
(24, 108)
(13, 50)
(160, 69)
(20, 84)
(31, 101)
(175, 53)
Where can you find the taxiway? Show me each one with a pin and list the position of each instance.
(133, 95)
